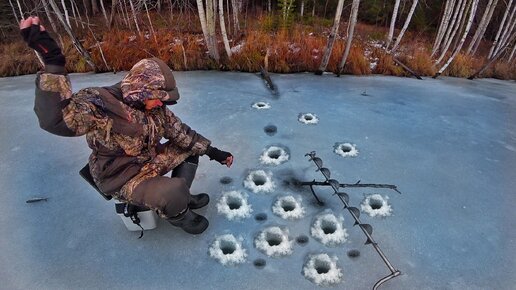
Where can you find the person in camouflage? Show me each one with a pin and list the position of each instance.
(124, 124)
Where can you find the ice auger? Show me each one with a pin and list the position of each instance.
(355, 212)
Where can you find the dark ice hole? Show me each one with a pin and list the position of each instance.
(259, 180)
(322, 266)
(227, 247)
(226, 180)
(275, 154)
(259, 263)
(308, 117)
(261, 217)
(328, 227)
(302, 240)
(375, 203)
(288, 205)
(234, 203)
(273, 239)
(345, 148)
(353, 253)
(270, 130)
(260, 105)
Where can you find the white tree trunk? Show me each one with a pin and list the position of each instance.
(453, 30)
(134, 16)
(473, 10)
(448, 9)
(393, 23)
(104, 11)
(455, 10)
(210, 12)
(202, 18)
(150, 21)
(351, 30)
(75, 41)
(47, 12)
(302, 7)
(331, 39)
(482, 26)
(512, 52)
(507, 32)
(313, 10)
(74, 13)
(14, 12)
(502, 25)
(405, 26)
(112, 12)
(236, 11)
(223, 28)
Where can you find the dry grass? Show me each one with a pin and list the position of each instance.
(297, 49)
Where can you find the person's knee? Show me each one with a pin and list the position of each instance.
(169, 196)
(176, 199)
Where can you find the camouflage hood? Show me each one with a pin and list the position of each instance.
(149, 79)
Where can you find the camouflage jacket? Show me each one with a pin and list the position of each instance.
(123, 139)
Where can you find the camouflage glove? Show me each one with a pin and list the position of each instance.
(38, 39)
(219, 155)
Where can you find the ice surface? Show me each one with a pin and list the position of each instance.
(228, 250)
(328, 229)
(234, 205)
(259, 181)
(274, 155)
(289, 207)
(448, 144)
(322, 270)
(376, 205)
(274, 242)
(346, 149)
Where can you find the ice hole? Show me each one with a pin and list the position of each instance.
(302, 239)
(274, 242)
(322, 270)
(345, 149)
(228, 250)
(273, 239)
(288, 207)
(259, 263)
(308, 118)
(234, 205)
(270, 130)
(376, 205)
(234, 202)
(274, 155)
(329, 229)
(259, 181)
(227, 247)
(226, 180)
(353, 253)
(261, 217)
(322, 266)
(261, 105)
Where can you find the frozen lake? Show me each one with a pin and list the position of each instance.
(448, 144)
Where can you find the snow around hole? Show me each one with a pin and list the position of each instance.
(274, 155)
(376, 205)
(346, 149)
(234, 205)
(274, 242)
(288, 207)
(329, 229)
(261, 105)
(228, 250)
(259, 181)
(308, 118)
(322, 270)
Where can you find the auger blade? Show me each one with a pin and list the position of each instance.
(318, 161)
(368, 228)
(355, 211)
(334, 183)
(344, 195)
(326, 172)
(368, 241)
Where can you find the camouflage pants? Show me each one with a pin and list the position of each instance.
(168, 196)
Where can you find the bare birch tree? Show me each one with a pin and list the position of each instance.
(493, 58)
(134, 16)
(500, 29)
(482, 26)
(223, 28)
(210, 21)
(473, 10)
(393, 23)
(49, 17)
(302, 8)
(351, 30)
(405, 26)
(443, 26)
(104, 11)
(112, 12)
(450, 26)
(454, 27)
(508, 31)
(67, 17)
(84, 53)
(331, 39)
(235, 4)
(150, 21)
(512, 52)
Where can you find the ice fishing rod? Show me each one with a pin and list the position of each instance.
(367, 229)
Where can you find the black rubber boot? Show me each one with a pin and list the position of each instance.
(190, 222)
(187, 171)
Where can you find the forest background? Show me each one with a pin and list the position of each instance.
(461, 38)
